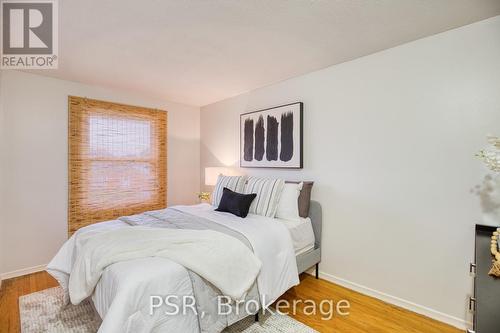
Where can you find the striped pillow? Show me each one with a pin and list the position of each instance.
(268, 195)
(234, 183)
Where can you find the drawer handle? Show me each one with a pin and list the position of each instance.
(472, 304)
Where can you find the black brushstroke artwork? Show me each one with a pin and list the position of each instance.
(272, 139)
(286, 153)
(259, 139)
(248, 140)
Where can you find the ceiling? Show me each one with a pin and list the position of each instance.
(201, 51)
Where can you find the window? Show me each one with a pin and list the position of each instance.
(117, 161)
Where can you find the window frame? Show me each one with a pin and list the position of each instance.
(80, 110)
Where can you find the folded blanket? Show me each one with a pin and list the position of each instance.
(139, 219)
(220, 259)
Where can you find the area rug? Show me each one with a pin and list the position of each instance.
(43, 311)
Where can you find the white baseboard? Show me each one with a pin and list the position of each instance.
(21, 272)
(420, 309)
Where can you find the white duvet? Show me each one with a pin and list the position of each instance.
(121, 294)
(204, 252)
(271, 242)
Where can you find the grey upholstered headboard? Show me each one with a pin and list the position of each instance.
(316, 215)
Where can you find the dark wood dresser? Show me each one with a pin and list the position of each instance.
(485, 302)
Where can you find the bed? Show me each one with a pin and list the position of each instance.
(119, 294)
(312, 257)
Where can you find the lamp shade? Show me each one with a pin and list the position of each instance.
(212, 173)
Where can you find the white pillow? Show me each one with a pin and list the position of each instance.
(234, 183)
(288, 206)
(268, 195)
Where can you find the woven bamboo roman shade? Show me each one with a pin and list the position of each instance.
(117, 161)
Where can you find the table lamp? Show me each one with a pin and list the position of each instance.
(211, 175)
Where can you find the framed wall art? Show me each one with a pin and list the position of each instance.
(272, 138)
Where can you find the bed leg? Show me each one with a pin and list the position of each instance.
(257, 317)
(317, 271)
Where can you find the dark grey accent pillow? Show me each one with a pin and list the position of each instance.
(235, 203)
(304, 197)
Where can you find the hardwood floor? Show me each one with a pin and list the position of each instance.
(11, 290)
(367, 315)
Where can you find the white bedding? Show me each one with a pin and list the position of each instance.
(279, 265)
(204, 252)
(121, 295)
(302, 234)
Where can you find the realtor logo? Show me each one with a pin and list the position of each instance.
(29, 34)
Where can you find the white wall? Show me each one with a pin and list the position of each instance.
(35, 166)
(390, 141)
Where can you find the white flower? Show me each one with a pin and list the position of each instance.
(491, 157)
